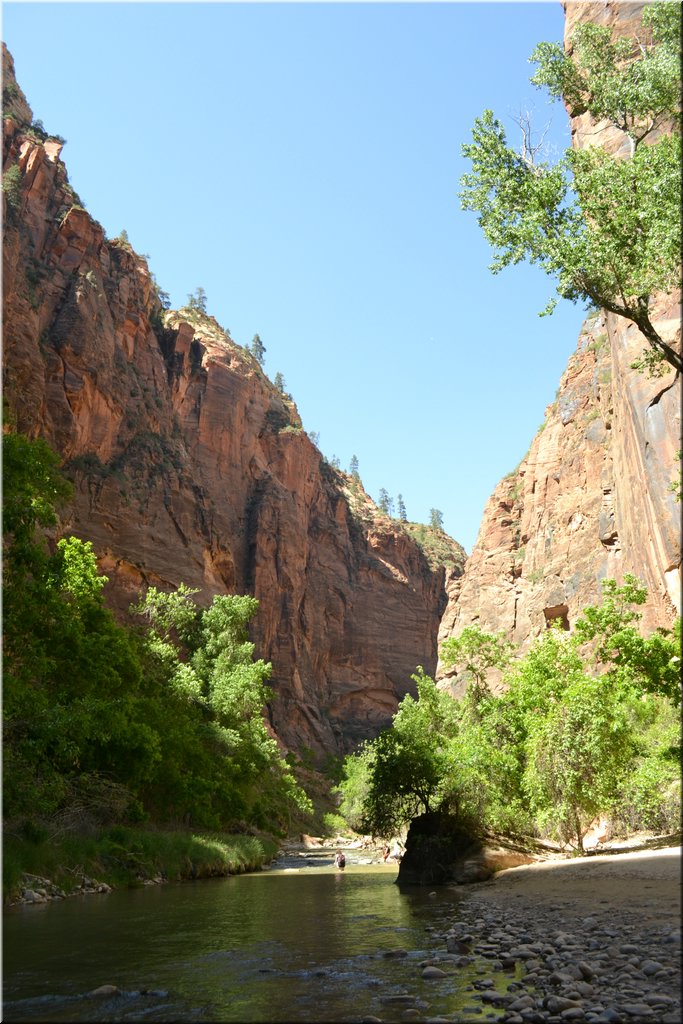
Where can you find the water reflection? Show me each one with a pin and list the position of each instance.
(274, 946)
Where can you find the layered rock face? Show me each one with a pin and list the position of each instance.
(190, 466)
(592, 498)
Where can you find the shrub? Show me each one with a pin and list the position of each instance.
(11, 186)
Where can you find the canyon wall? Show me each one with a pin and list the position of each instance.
(592, 497)
(190, 466)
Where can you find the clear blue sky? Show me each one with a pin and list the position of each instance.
(301, 163)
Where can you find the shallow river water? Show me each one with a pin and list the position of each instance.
(280, 945)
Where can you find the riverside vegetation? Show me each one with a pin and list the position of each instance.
(140, 751)
(128, 751)
(588, 725)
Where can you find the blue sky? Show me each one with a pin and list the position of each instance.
(301, 163)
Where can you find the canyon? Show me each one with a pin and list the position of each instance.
(189, 465)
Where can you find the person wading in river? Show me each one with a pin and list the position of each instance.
(339, 859)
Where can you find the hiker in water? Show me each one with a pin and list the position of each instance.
(397, 852)
(385, 853)
(339, 859)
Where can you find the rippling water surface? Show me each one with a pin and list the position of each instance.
(285, 945)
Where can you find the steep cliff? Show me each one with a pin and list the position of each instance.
(592, 497)
(189, 465)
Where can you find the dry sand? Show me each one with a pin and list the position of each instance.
(637, 881)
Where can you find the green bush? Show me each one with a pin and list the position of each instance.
(11, 186)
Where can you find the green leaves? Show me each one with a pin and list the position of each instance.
(172, 714)
(76, 569)
(582, 712)
(608, 229)
(474, 652)
(632, 83)
(33, 488)
(577, 755)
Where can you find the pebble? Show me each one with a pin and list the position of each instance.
(433, 972)
(596, 970)
(41, 890)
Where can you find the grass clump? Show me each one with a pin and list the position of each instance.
(127, 856)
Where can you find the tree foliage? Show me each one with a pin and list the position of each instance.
(258, 350)
(407, 763)
(436, 519)
(586, 725)
(197, 300)
(607, 228)
(474, 652)
(167, 719)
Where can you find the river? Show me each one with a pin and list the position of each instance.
(300, 943)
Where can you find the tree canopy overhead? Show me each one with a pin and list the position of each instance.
(607, 228)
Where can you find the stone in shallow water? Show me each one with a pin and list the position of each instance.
(433, 972)
(105, 990)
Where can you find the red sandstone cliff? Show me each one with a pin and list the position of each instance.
(191, 466)
(592, 496)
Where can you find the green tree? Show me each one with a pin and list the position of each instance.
(208, 659)
(197, 300)
(167, 720)
(11, 187)
(279, 382)
(385, 502)
(72, 706)
(474, 652)
(581, 729)
(607, 228)
(258, 350)
(405, 767)
(354, 786)
(653, 663)
(578, 754)
(402, 514)
(436, 519)
(353, 467)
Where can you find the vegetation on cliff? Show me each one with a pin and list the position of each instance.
(588, 725)
(607, 227)
(107, 725)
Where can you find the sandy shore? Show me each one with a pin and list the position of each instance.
(641, 881)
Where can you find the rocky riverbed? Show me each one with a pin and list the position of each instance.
(595, 939)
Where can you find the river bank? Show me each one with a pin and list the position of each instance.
(593, 939)
(56, 868)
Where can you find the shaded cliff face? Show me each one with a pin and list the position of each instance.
(189, 465)
(591, 498)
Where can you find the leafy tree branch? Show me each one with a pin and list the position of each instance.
(607, 228)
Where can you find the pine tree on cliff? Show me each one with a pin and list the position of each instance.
(385, 502)
(606, 227)
(402, 514)
(258, 350)
(353, 467)
(197, 300)
(436, 519)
